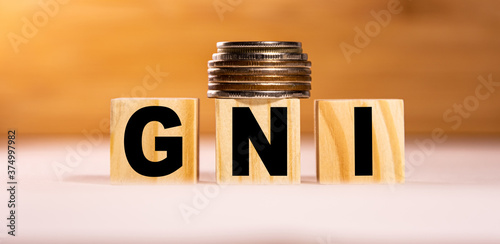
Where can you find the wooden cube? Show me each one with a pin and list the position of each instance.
(359, 141)
(154, 140)
(257, 141)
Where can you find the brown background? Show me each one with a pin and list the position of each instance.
(62, 79)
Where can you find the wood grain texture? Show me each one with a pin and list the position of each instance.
(187, 111)
(334, 137)
(261, 110)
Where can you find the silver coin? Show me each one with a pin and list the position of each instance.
(260, 50)
(260, 86)
(260, 71)
(259, 56)
(252, 63)
(251, 44)
(258, 94)
(258, 78)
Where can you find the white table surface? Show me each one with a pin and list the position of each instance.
(452, 197)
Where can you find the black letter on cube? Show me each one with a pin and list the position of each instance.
(133, 142)
(273, 155)
(363, 162)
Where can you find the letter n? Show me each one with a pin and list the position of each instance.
(245, 129)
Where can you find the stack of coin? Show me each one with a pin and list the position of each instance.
(263, 69)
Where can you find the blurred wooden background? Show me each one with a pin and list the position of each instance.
(62, 78)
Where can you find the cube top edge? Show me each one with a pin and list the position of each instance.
(346, 100)
(154, 98)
